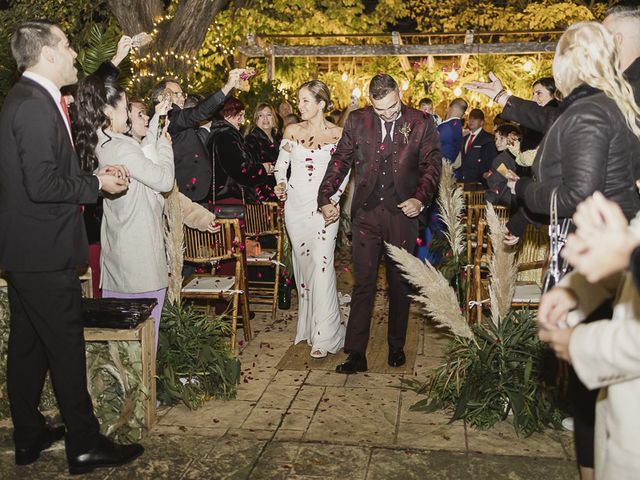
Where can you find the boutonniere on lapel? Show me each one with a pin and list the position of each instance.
(405, 131)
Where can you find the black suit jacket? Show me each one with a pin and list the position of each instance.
(41, 185)
(478, 159)
(192, 161)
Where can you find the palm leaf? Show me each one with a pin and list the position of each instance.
(101, 46)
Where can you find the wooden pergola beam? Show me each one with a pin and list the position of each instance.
(506, 48)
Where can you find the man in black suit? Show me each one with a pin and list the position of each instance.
(194, 172)
(478, 149)
(42, 242)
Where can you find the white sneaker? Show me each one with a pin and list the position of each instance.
(567, 424)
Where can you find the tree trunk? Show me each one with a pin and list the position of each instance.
(177, 39)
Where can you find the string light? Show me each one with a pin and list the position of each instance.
(345, 77)
(527, 66)
(457, 91)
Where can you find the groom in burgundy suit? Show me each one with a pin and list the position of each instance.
(395, 151)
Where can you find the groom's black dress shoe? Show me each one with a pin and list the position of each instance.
(104, 455)
(396, 357)
(356, 362)
(50, 435)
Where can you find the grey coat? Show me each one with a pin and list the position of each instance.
(133, 255)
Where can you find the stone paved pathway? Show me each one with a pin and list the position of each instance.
(321, 425)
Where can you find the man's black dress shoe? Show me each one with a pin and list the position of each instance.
(50, 435)
(396, 357)
(104, 455)
(356, 362)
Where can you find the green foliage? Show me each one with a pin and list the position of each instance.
(75, 17)
(459, 15)
(194, 361)
(503, 370)
(114, 372)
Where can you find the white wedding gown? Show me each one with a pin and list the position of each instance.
(312, 244)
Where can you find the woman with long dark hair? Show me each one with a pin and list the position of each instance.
(133, 262)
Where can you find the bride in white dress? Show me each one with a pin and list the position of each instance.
(307, 147)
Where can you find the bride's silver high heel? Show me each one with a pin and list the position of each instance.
(318, 353)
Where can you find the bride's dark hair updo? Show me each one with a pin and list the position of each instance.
(320, 91)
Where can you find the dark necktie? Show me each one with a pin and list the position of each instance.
(387, 126)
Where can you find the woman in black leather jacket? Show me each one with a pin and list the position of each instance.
(594, 144)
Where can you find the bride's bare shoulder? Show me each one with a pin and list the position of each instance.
(335, 131)
(292, 132)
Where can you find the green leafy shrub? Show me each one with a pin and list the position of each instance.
(501, 371)
(195, 362)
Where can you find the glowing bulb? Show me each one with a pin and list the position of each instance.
(527, 66)
(356, 93)
(490, 103)
(457, 91)
(452, 75)
(345, 77)
(405, 85)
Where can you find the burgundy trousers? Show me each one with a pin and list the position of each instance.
(370, 229)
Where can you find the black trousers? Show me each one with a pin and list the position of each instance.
(370, 229)
(46, 333)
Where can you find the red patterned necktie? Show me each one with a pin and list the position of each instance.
(469, 142)
(65, 110)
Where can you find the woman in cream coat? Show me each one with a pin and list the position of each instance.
(133, 261)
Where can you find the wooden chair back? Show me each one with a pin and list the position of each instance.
(262, 219)
(205, 247)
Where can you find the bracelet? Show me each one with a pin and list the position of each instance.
(499, 95)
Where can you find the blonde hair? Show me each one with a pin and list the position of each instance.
(254, 121)
(587, 53)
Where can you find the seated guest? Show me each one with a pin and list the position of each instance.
(133, 259)
(450, 130)
(192, 162)
(507, 144)
(237, 172)
(263, 143)
(478, 149)
(426, 105)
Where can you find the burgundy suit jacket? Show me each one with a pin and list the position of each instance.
(416, 157)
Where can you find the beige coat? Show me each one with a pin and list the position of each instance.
(133, 257)
(606, 355)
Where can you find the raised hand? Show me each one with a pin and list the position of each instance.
(124, 45)
(602, 243)
(490, 88)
